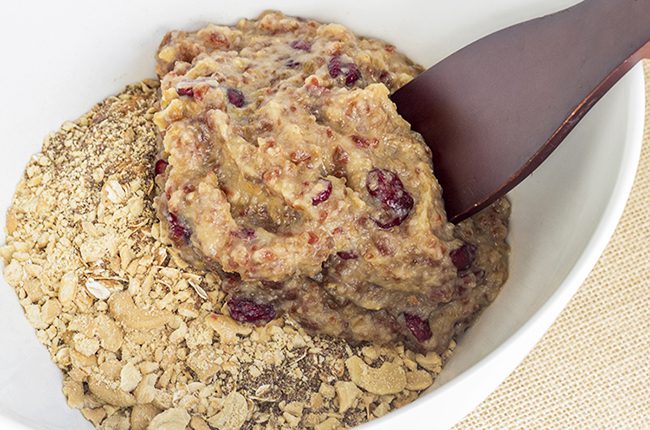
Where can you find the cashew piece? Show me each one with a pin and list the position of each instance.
(124, 310)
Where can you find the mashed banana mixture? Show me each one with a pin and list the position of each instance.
(286, 168)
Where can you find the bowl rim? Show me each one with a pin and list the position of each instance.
(501, 361)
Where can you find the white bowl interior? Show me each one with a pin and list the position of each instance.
(72, 54)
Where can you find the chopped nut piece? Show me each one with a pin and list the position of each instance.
(50, 310)
(171, 419)
(14, 273)
(329, 424)
(86, 346)
(111, 396)
(74, 391)
(204, 363)
(227, 328)
(145, 392)
(130, 377)
(326, 390)
(294, 408)
(125, 311)
(198, 424)
(431, 361)
(233, 415)
(141, 416)
(116, 421)
(418, 380)
(94, 249)
(94, 415)
(292, 420)
(97, 289)
(381, 410)
(113, 191)
(67, 288)
(347, 393)
(390, 378)
(33, 289)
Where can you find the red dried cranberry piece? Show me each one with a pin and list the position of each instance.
(246, 233)
(160, 167)
(334, 66)
(393, 222)
(179, 233)
(188, 91)
(323, 195)
(301, 44)
(292, 64)
(236, 97)
(272, 285)
(387, 188)
(419, 327)
(353, 74)
(246, 310)
(337, 67)
(464, 256)
(347, 255)
(364, 142)
(232, 276)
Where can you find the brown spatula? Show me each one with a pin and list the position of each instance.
(493, 111)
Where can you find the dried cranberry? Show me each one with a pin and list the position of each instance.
(347, 255)
(312, 238)
(323, 195)
(236, 97)
(272, 285)
(301, 44)
(334, 66)
(299, 156)
(232, 276)
(337, 67)
(387, 188)
(364, 142)
(353, 74)
(418, 326)
(246, 233)
(188, 91)
(179, 233)
(160, 167)
(246, 310)
(200, 91)
(292, 64)
(464, 256)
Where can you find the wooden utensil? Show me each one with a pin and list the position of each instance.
(493, 111)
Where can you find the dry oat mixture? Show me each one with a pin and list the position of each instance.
(147, 340)
(143, 339)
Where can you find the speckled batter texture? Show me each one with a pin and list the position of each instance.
(286, 168)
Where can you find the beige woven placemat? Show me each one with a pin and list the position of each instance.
(592, 369)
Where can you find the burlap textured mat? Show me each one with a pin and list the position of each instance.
(592, 369)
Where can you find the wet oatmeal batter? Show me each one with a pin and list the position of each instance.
(286, 168)
(291, 196)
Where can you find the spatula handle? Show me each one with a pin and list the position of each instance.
(493, 111)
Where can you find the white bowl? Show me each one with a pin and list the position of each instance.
(59, 58)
